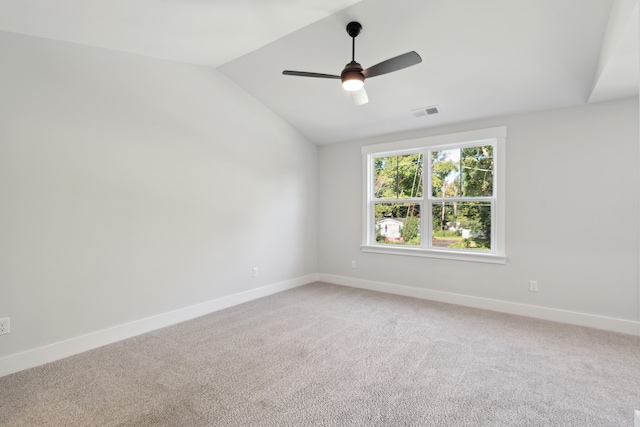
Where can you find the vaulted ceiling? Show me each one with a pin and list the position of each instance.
(480, 58)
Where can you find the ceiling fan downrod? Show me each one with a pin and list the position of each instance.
(353, 29)
(351, 76)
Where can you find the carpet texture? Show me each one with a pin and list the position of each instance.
(325, 355)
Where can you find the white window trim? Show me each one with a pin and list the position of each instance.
(496, 135)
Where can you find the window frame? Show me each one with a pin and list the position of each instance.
(491, 136)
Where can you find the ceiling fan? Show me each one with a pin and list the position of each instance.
(353, 75)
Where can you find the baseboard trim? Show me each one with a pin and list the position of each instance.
(59, 350)
(574, 318)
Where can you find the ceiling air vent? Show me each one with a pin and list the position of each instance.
(426, 111)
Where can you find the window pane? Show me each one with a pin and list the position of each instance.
(397, 223)
(398, 177)
(461, 225)
(476, 164)
(385, 178)
(445, 176)
(462, 172)
(410, 176)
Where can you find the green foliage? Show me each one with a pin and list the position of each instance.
(414, 242)
(477, 218)
(410, 229)
(443, 172)
(447, 233)
(476, 164)
(481, 244)
(397, 210)
(398, 177)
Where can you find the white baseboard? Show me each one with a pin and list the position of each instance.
(574, 318)
(59, 350)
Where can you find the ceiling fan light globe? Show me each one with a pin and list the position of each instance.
(353, 83)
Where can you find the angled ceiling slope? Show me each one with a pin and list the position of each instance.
(207, 33)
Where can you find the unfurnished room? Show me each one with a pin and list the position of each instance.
(319, 213)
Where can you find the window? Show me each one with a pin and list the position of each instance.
(439, 197)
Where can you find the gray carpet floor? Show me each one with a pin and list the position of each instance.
(325, 355)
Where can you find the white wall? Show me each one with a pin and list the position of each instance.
(572, 209)
(130, 187)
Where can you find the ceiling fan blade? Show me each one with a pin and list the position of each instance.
(394, 64)
(306, 74)
(359, 97)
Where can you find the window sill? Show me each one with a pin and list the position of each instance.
(439, 254)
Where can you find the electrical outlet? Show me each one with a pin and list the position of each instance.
(255, 271)
(4, 326)
(533, 285)
(353, 264)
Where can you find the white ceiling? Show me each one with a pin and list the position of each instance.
(203, 32)
(480, 58)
